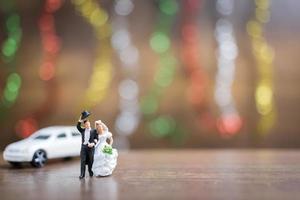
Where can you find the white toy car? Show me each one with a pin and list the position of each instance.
(46, 143)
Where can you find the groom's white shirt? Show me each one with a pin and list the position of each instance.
(87, 133)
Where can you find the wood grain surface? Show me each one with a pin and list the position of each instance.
(164, 174)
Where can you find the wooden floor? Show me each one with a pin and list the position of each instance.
(164, 174)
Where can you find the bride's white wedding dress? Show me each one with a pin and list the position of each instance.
(104, 163)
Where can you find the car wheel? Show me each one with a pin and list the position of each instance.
(15, 164)
(39, 158)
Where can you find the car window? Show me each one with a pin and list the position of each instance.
(41, 137)
(75, 134)
(62, 135)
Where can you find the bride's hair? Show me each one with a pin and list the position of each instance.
(97, 122)
(103, 126)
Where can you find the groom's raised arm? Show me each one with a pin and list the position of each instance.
(81, 130)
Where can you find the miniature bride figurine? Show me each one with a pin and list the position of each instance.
(105, 157)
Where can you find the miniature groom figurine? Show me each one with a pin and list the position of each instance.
(89, 138)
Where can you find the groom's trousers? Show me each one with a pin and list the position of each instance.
(86, 157)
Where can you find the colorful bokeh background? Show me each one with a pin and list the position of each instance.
(159, 73)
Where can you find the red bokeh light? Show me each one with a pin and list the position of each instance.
(229, 125)
(189, 32)
(51, 43)
(52, 5)
(46, 22)
(26, 127)
(47, 71)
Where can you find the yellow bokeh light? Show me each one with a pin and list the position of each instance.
(98, 18)
(262, 15)
(78, 2)
(264, 56)
(262, 4)
(87, 8)
(254, 29)
(263, 95)
(266, 123)
(266, 53)
(102, 69)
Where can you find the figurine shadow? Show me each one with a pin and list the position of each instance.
(27, 165)
(103, 176)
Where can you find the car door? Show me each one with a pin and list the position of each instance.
(61, 145)
(75, 138)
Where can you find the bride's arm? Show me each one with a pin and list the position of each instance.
(111, 140)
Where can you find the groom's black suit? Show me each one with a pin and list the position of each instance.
(87, 153)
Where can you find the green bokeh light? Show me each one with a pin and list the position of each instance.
(9, 47)
(15, 78)
(11, 90)
(16, 35)
(164, 78)
(13, 22)
(9, 95)
(166, 72)
(13, 82)
(169, 7)
(12, 86)
(160, 42)
(149, 105)
(169, 60)
(162, 126)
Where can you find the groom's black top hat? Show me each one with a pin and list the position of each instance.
(85, 114)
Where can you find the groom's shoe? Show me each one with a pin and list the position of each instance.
(81, 176)
(91, 174)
